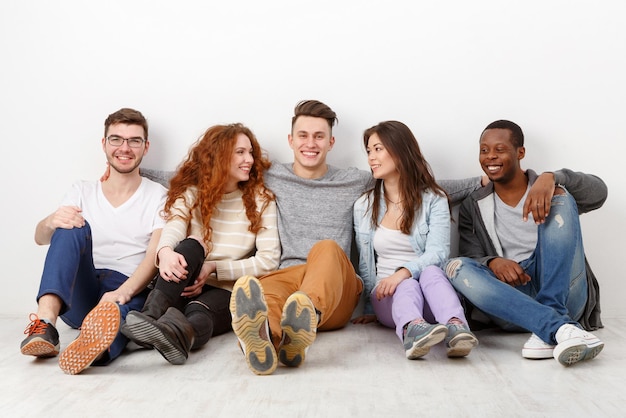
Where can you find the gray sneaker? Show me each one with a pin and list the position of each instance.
(419, 336)
(460, 340)
(249, 312)
(299, 326)
(42, 339)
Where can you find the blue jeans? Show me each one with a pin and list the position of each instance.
(69, 273)
(557, 292)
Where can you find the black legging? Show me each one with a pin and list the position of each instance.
(208, 312)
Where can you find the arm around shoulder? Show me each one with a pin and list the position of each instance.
(460, 189)
(159, 176)
(589, 191)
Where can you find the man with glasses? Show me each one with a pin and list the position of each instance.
(101, 256)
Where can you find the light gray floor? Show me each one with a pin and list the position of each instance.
(359, 371)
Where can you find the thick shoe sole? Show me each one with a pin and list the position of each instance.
(41, 348)
(578, 352)
(298, 323)
(422, 346)
(249, 313)
(461, 345)
(143, 330)
(99, 329)
(537, 353)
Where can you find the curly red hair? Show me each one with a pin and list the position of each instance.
(207, 167)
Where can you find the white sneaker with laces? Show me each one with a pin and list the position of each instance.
(536, 348)
(575, 344)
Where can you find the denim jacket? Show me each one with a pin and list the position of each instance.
(429, 237)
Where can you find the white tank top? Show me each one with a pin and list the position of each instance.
(393, 249)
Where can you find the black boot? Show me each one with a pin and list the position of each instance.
(172, 335)
(156, 304)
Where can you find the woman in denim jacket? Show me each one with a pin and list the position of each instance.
(402, 231)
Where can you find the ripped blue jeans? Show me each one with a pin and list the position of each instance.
(557, 291)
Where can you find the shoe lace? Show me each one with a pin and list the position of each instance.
(572, 331)
(36, 326)
(417, 323)
(455, 321)
(455, 329)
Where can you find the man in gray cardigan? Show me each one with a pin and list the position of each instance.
(530, 275)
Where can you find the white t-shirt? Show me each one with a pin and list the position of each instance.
(120, 235)
(393, 249)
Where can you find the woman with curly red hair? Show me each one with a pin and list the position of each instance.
(221, 225)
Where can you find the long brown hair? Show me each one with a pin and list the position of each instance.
(207, 167)
(415, 173)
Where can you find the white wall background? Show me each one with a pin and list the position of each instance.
(446, 69)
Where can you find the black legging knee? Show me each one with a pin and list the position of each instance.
(193, 252)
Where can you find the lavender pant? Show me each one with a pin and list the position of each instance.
(431, 297)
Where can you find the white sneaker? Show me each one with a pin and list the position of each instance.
(536, 348)
(575, 344)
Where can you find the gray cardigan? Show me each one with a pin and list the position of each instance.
(590, 193)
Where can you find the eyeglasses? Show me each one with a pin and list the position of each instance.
(117, 141)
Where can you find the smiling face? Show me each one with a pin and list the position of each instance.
(499, 157)
(240, 163)
(380, 161)
(310, 140)
(125, 159)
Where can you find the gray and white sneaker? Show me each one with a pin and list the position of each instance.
(299, 326)
(42, 339)
(419, 336)
(249, 312)
(460, 340)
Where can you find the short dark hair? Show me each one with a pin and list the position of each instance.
(126, 116)
(316, 109)
(517, 136)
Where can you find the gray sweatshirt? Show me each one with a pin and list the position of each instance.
(314, 210)
(318, 209)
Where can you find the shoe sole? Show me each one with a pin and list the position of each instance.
(537, 353)
(97, 332)
(133, 345)
(249, 320)
(422, 346)
(41, 348)
(579, 352)
(298, 323)
(146, 334)
(461, 345)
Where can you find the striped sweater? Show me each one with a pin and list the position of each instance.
(236, 250)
